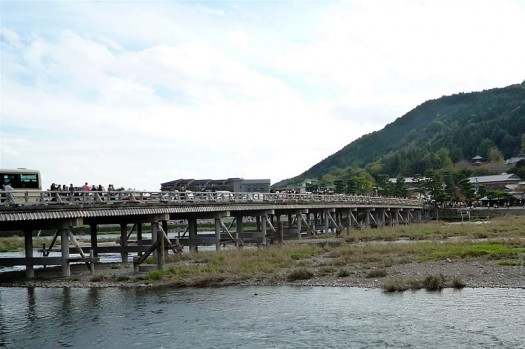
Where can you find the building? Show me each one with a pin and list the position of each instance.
(230, 184)
(513, 160)
(477, 160)
(176, 185)
(251, 185)
(496, 182)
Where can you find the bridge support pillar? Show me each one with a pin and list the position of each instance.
(28, 249)
(280, 230)
(381, 217)
(124, 243)
(217, 234)
(388, 217)
(299, 225)
(139, 235)
(395, 217)
(239, 231)
(64, 246)
(325, 220)
(263, 229)
(159, 252)
(192, 231)
(311, 220)
(94, 241)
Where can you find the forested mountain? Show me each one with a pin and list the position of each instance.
(435, 135)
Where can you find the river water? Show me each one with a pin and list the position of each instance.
(260, 317)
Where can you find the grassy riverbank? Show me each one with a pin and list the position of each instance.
(430, 256)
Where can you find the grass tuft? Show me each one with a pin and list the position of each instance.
(376, 273)
(395, 286)
(509, 263)
(458, 283)
(434, 282)
(343, 273)
(98, 278)
(300, 274)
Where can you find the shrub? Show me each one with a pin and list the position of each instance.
(415, 284)
(458, 283)
(326, 270)
(156, 274)
(343, 273)
(98, 278)
(300, 274)
(394, 286)
(376, 273)
(434, 282)
(509, 263)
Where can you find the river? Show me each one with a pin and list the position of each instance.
(260, 317)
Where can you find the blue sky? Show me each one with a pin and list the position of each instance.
(136, 93)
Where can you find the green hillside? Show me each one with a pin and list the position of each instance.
(436, 134)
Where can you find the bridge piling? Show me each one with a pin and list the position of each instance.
(64, 245)
(28, 249)
(217, 234)
(124, 242)
(263, 230)
(192, 231)
(94, 241)
(239, 231)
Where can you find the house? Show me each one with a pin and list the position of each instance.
(176, 185)
(251, 185)
(513, 160)
(230, 184)
(477, 160)
(496, 182)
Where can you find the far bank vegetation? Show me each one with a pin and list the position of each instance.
(363, 254)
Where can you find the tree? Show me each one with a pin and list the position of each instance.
(419, 184)
(400, 189)
(339, 186)
(467, 189)
(484, 146)
(494, 155)
(434, 187)
(444, 157)
(450, 185)
(351, 186)
(383, 185)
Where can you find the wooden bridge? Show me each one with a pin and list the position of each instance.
(276, 216)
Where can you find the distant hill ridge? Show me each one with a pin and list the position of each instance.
(435, 134)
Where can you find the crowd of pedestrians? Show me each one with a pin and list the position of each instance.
(85, 187)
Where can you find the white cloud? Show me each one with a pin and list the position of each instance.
(140, 94)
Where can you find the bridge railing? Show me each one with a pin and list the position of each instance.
(27, 198)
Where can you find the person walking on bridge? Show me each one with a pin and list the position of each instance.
(86, 187)
(9, 193)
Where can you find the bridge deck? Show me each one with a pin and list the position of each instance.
(62, 211)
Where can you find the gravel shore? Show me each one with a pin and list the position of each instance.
(473, 273)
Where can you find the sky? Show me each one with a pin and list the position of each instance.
(138, 93)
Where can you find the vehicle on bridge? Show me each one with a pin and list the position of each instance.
(21, 179)
(26, 184)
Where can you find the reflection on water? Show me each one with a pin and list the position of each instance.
(260, 317)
